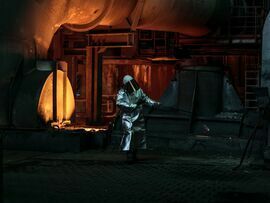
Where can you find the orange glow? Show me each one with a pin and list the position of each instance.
(87, 129)
(142, 74)
(94, 129)
(65, 99)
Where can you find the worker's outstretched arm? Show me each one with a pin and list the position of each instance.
(146, 100)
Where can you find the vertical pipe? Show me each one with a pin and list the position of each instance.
(88, 88)
(54, 93)
(94, 82)
(193, 102)
(265, 71)
(62, 65)
(95, 85)
(65, 96)
(99, 87)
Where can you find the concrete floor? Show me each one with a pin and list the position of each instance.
(104, 176)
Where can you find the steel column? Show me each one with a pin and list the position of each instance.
(94, 82)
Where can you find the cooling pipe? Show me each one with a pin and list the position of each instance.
(27, 28)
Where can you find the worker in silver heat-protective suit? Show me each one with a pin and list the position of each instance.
(130, 99)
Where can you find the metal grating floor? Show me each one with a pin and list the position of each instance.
(94, 176)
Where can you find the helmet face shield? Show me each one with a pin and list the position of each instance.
(131, 86)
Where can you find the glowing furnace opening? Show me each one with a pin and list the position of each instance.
(65, 102)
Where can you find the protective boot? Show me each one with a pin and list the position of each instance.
(131, 156)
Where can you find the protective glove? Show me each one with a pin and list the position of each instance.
(156, 105)
(140, 102)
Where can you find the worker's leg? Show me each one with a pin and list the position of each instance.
(127, 134)
(140, 133)
(268, 141)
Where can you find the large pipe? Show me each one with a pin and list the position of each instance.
(189, 17)
(38, 20)
(265, 70)
(27, 28)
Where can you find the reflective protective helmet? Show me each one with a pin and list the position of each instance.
(130, 85)
(127, 78)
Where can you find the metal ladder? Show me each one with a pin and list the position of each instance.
(251, 82)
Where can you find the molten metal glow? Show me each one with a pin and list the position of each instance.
(142, 73)
(87, 129)
(94, 129)
(65, 99)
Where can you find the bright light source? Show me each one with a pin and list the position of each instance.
(65, 99)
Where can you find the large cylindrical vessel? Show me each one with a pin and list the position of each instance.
(189, 17)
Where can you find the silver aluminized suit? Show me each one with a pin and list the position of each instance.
(132, 119)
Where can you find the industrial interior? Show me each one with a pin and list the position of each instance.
(206, 61)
